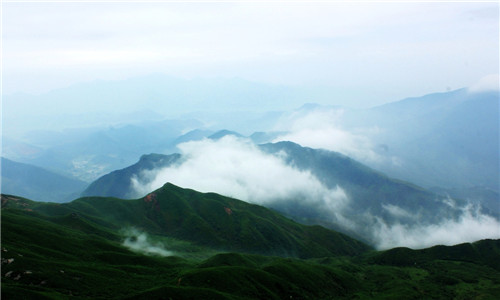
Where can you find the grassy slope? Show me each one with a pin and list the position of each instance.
(58, 252)
(210, 220)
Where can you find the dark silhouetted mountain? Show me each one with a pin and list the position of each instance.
(483, 252)
(37, 183)
(117, 183)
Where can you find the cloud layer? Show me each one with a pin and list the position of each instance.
(236, 168)
(470, 226)
(321, 128)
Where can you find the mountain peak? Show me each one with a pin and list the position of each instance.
(222, 133)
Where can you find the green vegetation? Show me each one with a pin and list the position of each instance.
(221, 248)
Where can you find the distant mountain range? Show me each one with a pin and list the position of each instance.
(90, 153)
(439, 151)
(234, 103)
(448, 139)
(322, 187)
(37, 183)
(178, 243)
(444, 140)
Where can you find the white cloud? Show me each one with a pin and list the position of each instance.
(397, 211)
(488, 83)
(471, 226)
(237, 168)
(320, 128)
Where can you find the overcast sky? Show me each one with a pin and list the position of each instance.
(388, 51)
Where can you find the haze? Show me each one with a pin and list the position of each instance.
(403, 89)
(360, 54)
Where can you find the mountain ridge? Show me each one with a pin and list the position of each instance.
(52, 250)
(210, 220)
(372, 196)
(31, 181)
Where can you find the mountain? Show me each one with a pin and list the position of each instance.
(178, 249)
(205, 219)
(482, 252)
(448, 139)
(372, 196)
(193, 135)
(261, 137)
(222, 133)
(88, 153)
(369, 187)
(37, 183)
(122, 100)
(117, 183)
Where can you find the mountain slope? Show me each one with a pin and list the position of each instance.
(368, 187)
(372, 198)
(117, 183)
(62, 250)
(210, 220)
(222, 133)
(444, 139)
(37, 183)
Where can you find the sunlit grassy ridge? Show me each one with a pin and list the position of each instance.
(223, 249)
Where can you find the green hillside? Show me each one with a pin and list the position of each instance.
(206, 219)
(218, 248)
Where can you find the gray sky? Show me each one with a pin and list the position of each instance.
(379, 52)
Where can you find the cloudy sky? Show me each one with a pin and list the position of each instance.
(380, 52)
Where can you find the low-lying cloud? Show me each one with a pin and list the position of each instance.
(398, 212)
(321, 128)
(138, 241)
(237, 168)
(470, 226)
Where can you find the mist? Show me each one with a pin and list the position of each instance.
(470, 226)
(236, 168)
(138, 241)
(321, 127)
